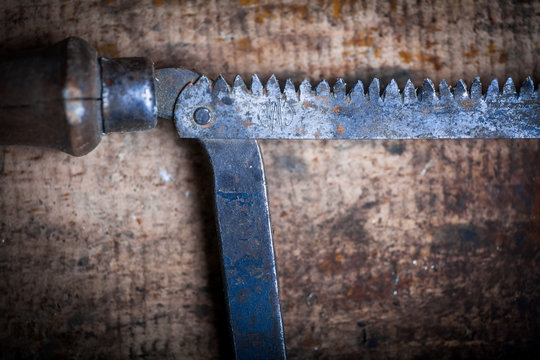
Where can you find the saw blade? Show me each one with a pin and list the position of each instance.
(215, 110)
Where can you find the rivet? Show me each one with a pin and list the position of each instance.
(202, 116)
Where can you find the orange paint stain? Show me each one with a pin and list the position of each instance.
(337, 6)
(430, 44)
(340, 129)
(393, 6)
(435, 60)
(502, 57)
(243, 44)
(492, 49)
(264, 14)
(108, 50)
(247, 2)
(472, 53)
(332, 264)
(360, 39)
(405, 57)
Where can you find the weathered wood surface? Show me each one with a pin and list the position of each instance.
(411, 249)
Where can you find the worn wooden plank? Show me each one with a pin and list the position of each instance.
(384, 249)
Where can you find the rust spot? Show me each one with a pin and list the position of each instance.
(472, 53)
(35, 157)
(405, 57)
(78, 174)
(340, 129)
(283, 213)
(336, 109)
(360, 38)
(467, 104)
(324, 99)
(376, 51)
(492, 49)
(337, 6)
(159, 2)
(247, 123)
(139, 221)
(218, 39)
(243, 44)
(308, 104)
(315, 159)
(248, 2)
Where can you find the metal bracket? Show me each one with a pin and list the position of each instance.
(247, 251)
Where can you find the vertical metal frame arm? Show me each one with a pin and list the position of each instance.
(247, 252)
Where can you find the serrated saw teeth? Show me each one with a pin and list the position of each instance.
(493, 90)
(444, 91)
(527, 89)
(340, 89)
(256, 86)
(272, 87)
(460, 91)
(357, 93)
(290, 91)
(409, 93)
(509, 89)
(374, 91)
(476, 89)
(427, 92)
(323, 89)
(221, 86)
(271, 112)
(391, 95)
(239, 84)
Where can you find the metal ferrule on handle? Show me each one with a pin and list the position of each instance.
(64, 97)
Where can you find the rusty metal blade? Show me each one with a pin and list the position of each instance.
(324, 113)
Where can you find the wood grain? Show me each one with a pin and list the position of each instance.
(385, 249)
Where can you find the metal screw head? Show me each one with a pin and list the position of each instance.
(202, 116)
